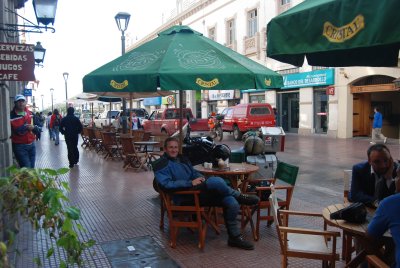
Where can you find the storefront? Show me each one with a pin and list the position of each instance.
(217, 100)
(302, 104)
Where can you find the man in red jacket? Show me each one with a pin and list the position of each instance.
(23, 133)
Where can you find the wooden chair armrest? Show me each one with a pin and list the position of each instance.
(187, 192)
(300, 213)
(267, 188)
(254, 181)
(296, 230)
(376, 262)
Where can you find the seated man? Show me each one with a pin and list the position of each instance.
(175, 172)
(386, 217)
(373, 180)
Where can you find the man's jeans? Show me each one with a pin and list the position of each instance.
(25, 154)
(56, 134)
(217, 193)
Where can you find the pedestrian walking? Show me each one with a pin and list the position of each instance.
(49, 114)
(135, 121)
(377, 127)
(38, 121)
(23, 133)
(55, 121)
(71, 127)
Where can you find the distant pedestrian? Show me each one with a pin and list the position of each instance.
(23, 133)
(38, 121)
(48, 125)
(377, 127)
(71, 127)
(135, 122)
(55, 121)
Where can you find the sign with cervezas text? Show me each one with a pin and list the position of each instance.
(17, 62)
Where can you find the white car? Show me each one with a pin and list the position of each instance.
(106, 118)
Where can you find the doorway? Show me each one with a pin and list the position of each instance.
(361, 113)
(320, 111)
(289, 111)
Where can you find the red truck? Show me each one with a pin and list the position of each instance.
(167, 121)
(249, 116)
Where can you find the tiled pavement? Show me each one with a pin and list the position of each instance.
(119, 205)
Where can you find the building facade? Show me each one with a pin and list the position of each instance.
(337, 102)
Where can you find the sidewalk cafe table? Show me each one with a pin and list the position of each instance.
(350, 230)
(145, 145)
(236, 174)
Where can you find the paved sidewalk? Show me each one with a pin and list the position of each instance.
(119, 205)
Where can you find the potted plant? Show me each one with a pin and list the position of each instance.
(38, 196)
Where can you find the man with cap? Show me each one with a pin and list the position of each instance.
(23, 133)
(71, 127)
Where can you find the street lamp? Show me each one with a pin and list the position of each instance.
(38, 53)
(42, 101)
(66, 90)
(122, 20)
(51, 91)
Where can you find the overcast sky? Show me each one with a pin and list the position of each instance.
(87, 37)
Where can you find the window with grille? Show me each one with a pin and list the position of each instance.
(252, 26)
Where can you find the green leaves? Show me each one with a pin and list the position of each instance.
(40, 198)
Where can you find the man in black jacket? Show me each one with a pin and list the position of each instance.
(71, 127)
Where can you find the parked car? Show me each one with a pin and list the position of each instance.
(86, 118)
(248, 116)
(167, 121)
(106, 118)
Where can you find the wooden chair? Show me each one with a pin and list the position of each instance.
(85, 138)
(111, 146)
(284, 173)
(348, 246)
(137, 135)
(300, 242)
(99, 140)
(132, 158)
(92, 138)
(186, 216)
(374, 262)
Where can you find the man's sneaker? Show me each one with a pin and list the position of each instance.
(384, 140)
(239, 242)
(371, 142)
(248, 199)
(71, 165)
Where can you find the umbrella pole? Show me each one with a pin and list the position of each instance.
(180, 121)
(130, 108)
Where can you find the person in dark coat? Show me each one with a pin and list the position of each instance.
(71, 127)
(374, 179)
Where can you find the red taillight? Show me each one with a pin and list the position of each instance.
(176, 124)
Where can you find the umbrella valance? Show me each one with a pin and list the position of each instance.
(337, 33)
(180, 59)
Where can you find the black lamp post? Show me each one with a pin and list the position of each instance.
(51, 91)
(65, 75)
(38, 53)
(122, 20)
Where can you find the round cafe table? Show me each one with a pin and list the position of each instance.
(236, 172)
(350, 230)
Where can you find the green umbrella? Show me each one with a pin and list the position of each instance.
(180, 59)
(337, 33)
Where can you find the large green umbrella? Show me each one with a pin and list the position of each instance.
(180, 59)
(337, 33)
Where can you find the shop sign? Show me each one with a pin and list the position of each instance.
(152, 101)
(330, 90)
(27, 92)
(309, 79)
(17, 62)
(169, 100)
(221, 94)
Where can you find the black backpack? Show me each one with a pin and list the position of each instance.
(355, 213)
(57, 121)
